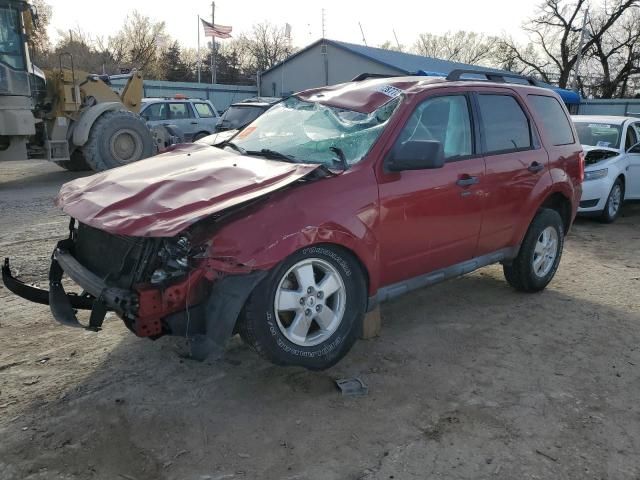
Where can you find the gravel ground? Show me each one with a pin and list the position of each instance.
(469, 379)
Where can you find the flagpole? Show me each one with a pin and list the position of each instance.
(198, 54)
(213, 44)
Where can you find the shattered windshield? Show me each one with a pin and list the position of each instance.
(309, 132)
(598, 134)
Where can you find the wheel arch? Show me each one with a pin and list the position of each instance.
(622, 177)
(352, 253)
(560, 203)
(82, 127)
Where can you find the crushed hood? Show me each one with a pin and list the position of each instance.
(162, 195)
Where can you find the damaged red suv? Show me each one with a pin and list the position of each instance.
(333, 201)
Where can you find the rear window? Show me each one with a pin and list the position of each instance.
(597, 134)
(506, 127)
(237, 116)
(555, 122)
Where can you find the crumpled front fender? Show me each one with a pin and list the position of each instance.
(339, 211)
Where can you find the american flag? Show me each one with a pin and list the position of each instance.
(215, 30)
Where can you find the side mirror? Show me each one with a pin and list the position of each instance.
(417, 155)
(634, 148)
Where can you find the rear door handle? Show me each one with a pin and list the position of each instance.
(194, 123)
(535, 167)
(467, 181)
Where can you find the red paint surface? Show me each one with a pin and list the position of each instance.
(397, 224)
(163, 195)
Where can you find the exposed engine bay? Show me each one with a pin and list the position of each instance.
(594, 156)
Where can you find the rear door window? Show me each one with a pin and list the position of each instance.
(204, 110)
(554, 120)
(506, 127)
(179, 111)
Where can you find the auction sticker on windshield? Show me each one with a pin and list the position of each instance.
(246, 132)
(390, 91)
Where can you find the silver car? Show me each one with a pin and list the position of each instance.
(194, 117)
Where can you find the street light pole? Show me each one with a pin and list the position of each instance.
(213, 44)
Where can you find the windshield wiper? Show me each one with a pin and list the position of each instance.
(231, 144)
(342, 160)
(265, 152)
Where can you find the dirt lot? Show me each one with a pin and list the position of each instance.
(468, 380)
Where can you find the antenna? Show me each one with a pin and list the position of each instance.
(396, 37)
(324, 21)
(363, 37)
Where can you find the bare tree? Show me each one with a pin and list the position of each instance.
(38, 38)
(85, 50)
(555, 37)
(616, 54)
(461, 46)
(393, 46)
(139, 44)
(267, 44)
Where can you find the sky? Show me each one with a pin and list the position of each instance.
(378, 18)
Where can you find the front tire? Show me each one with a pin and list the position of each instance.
(539, 255)
(117, 138)
(308, 310)
(199, 136)
(614, 203)
(76, 163)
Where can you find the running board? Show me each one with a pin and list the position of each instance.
(396, 289)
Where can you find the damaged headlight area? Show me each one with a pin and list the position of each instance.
(176, 257)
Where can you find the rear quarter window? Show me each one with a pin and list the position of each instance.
(554, 121)
(506, 127)
(204, 110)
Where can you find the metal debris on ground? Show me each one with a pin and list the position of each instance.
(352, 387)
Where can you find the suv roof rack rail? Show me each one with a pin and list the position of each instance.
(365, 76)
(455, 75)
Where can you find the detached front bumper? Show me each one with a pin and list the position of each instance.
(207, 316)
(97, 296)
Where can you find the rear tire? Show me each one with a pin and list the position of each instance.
(77, 163)
(117, 138)
(613, 207)
(308, 310)
(539, 255)
(200, 135)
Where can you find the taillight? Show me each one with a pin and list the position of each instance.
(581, 156)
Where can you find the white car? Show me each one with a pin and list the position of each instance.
(612, 163)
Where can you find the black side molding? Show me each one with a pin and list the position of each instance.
(395, 290)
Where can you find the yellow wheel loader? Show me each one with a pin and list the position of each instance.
(68, 116)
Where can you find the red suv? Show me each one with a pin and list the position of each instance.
(336, 199)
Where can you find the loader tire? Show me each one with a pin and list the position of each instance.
(76, 164)
(117, 138)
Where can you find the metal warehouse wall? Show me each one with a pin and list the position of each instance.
(306, 70)
(220, 95)
(623, 107)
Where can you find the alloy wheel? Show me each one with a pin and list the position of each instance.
(310, 302)
(545, 251)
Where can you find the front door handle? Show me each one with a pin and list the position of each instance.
(467, 181)
(194, 123)
(535, 167)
